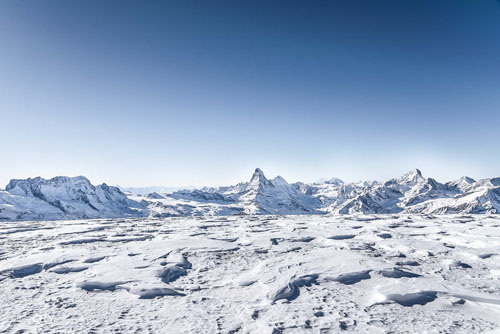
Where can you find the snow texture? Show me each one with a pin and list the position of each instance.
(252, 274)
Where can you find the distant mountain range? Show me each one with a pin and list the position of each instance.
(152, 189)
(76, 198)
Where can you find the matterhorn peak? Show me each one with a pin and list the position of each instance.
(259, 180)
(258, 175)
(259, 171)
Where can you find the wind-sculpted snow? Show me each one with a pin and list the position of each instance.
(22, 271)
(99, 285)
(151, 293)
(252, 274)
(342, 237)
(66, 270)
(398, 273)
(411, 299)
(94, 259)
(292, 290)
(171, 274)
(352, 278)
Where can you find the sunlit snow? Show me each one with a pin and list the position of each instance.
(252, 274)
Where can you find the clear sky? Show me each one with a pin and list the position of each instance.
(202, 92)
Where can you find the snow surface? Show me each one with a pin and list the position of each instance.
(394, 273)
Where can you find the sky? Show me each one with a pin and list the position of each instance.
(198, 93)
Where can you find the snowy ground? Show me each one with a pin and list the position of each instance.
(260, 274)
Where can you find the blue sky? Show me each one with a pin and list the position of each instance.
(202, 92)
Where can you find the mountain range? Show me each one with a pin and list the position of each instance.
(77, 198)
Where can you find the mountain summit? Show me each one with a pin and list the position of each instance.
(258, 179)
(411, 178)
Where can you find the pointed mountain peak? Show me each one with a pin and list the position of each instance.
(467, 179)
(462, 183)
(411, 177)
(415, 172)
(258, 178)
(259, 171)
(463, 180)
(258, 175)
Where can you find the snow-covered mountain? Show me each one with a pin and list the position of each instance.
(263, 196)
(76, 197)
(412, 193)
(63, 198)
(151, 189)
(258, 196)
